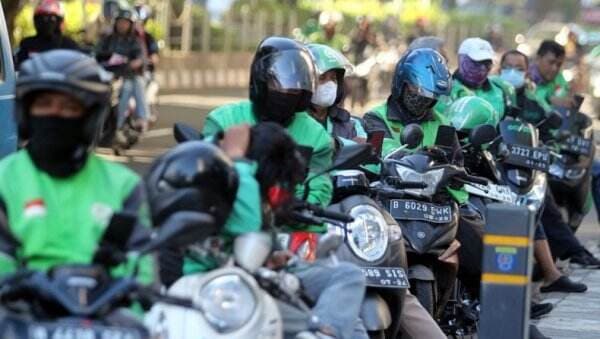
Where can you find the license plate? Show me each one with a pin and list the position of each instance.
(529, 157)
(578, 145)
(392, 277)
(74, 331)
(419, 210)
(492, 191)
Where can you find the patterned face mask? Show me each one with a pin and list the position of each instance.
(415, 104)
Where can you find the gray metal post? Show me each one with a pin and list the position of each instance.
(507, 265)
(187, 27)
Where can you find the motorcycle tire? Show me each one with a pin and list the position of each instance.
(423, 290)
(376, 335)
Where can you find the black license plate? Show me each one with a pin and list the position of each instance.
(529, 157)
(578, 145)
(392, 277)
(75, 331)
(419, 210)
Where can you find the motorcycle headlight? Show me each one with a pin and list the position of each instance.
(431, 178)
(368, 233)
(535, 197)
(227, 302)
(574, 173)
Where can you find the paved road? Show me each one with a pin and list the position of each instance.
(180, 107)
(575, 316)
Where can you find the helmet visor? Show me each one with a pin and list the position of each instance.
(290, 70)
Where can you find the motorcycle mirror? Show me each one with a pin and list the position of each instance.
(482, 134)
(348, 157)
(251, 250)
(351, 156)
(375, 138)
(184, 132)
(327, 243)
(412, 136)
(181, 229)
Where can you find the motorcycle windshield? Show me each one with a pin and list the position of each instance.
(515, 132)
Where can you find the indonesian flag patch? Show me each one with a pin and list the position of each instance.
(35, 208)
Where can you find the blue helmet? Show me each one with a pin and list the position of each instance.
(426, 70)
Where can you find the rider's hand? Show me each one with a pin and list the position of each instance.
(236, 140)
(278, 259)
(136, 64)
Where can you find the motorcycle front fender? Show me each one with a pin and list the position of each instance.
(375, 313)
(420, 272)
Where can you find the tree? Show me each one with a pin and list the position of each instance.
(11, 9)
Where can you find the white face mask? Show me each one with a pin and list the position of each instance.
(325, 94)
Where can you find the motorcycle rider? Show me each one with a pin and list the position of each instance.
(282, 82)
(332, 66)
(267, 164)
(48, 19)
(420, 79)
(121, 52)
(514, 69)
(475, 60)
(56, 195)
(545, 72)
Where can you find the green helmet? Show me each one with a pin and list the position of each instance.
(468, 112)
(327, 58)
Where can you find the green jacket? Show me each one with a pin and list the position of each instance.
(499, 93)
(377, 120)
(533, 108)
(245, 216)
(61, 221)
(303, 129)
(559, 87)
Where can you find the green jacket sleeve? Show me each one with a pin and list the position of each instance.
(211, 125)
(246, 213)
(8, 249)
(321, 187)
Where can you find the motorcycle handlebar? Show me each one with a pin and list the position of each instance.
(323, 213)
(398, 183)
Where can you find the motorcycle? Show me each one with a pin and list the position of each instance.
(84, 301)
(130, 132)
(241, 299)
(570, 173)
(372, 241)
(413, 188)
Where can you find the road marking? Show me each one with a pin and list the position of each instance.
(157, 133)
(197, 101)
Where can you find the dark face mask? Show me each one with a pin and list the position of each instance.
(415, 104)
(57, 146)
(282, 107)
(47, 25)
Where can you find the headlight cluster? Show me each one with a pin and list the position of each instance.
(535, 198)
(227, 302)
(368, 233)
(431, 178)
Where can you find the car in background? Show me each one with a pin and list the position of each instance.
(8, 130)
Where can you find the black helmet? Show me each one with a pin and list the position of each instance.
(193, 176)
(70, 72)
(284, 66)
